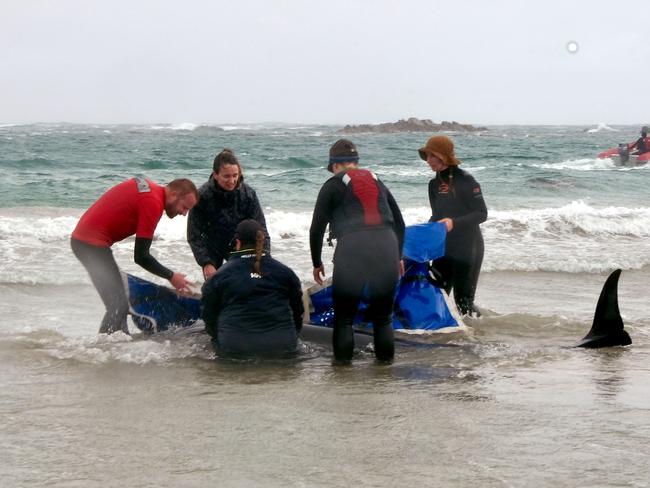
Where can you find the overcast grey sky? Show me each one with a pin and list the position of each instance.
(238, 61)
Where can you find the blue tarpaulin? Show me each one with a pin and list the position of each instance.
(155, 308)
(418, 303)
(424, 242)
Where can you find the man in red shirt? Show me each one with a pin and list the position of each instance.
(132, 207)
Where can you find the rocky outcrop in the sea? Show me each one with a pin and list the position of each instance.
(410, 125)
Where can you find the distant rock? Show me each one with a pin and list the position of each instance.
(410, 125)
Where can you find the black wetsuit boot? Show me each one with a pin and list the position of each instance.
(384, 338)
(343, 339)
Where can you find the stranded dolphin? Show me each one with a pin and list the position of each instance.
(607, 329)
(323, 336)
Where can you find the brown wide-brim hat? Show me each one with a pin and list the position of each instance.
(441, 147)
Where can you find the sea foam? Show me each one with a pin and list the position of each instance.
(117, 347)
(572, 238)
(602, 126)
(589, 164)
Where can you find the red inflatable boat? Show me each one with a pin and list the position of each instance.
(621, 156)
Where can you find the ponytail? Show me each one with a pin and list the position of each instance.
(259, 251)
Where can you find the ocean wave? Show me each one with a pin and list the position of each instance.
(20, 228)
(28, 163)
(588, 164)
(184, 126)
(287, 163)
(45, 229)
(117, 347)
(150, 164)
(602, 127)
(230, 128)
(575, 238)
(551, 260)
(576, 218)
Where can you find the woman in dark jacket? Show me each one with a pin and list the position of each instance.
(225, 200)
(253, 305)
(457, 201)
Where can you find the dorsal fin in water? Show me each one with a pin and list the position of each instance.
(607, 329)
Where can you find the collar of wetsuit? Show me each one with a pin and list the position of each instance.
(244, 251)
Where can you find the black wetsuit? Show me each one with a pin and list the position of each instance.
(455, 194)
(212, 222)
(642, 145)
(368, 226)
(251, 315)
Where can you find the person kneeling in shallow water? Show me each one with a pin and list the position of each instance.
(253, 305)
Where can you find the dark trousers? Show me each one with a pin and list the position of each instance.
(276, 343)
(106, 277)
(366, 263)
(460, 269)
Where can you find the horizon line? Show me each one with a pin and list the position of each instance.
(330, 124)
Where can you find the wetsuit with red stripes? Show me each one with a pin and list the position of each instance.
(368, 225)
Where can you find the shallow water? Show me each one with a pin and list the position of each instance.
(506, 404)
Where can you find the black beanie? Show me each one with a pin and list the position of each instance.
(342, 151)
(246, 231)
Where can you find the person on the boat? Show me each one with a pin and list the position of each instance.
(457, 201)
(253, 305)
(368, 225)
(225, 201)
(131, 207)
(642, 144)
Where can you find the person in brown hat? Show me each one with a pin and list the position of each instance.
(368, 225)
(457, 201)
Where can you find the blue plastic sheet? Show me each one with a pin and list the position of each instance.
(418, 303)
(156, 308)
(424, 242)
